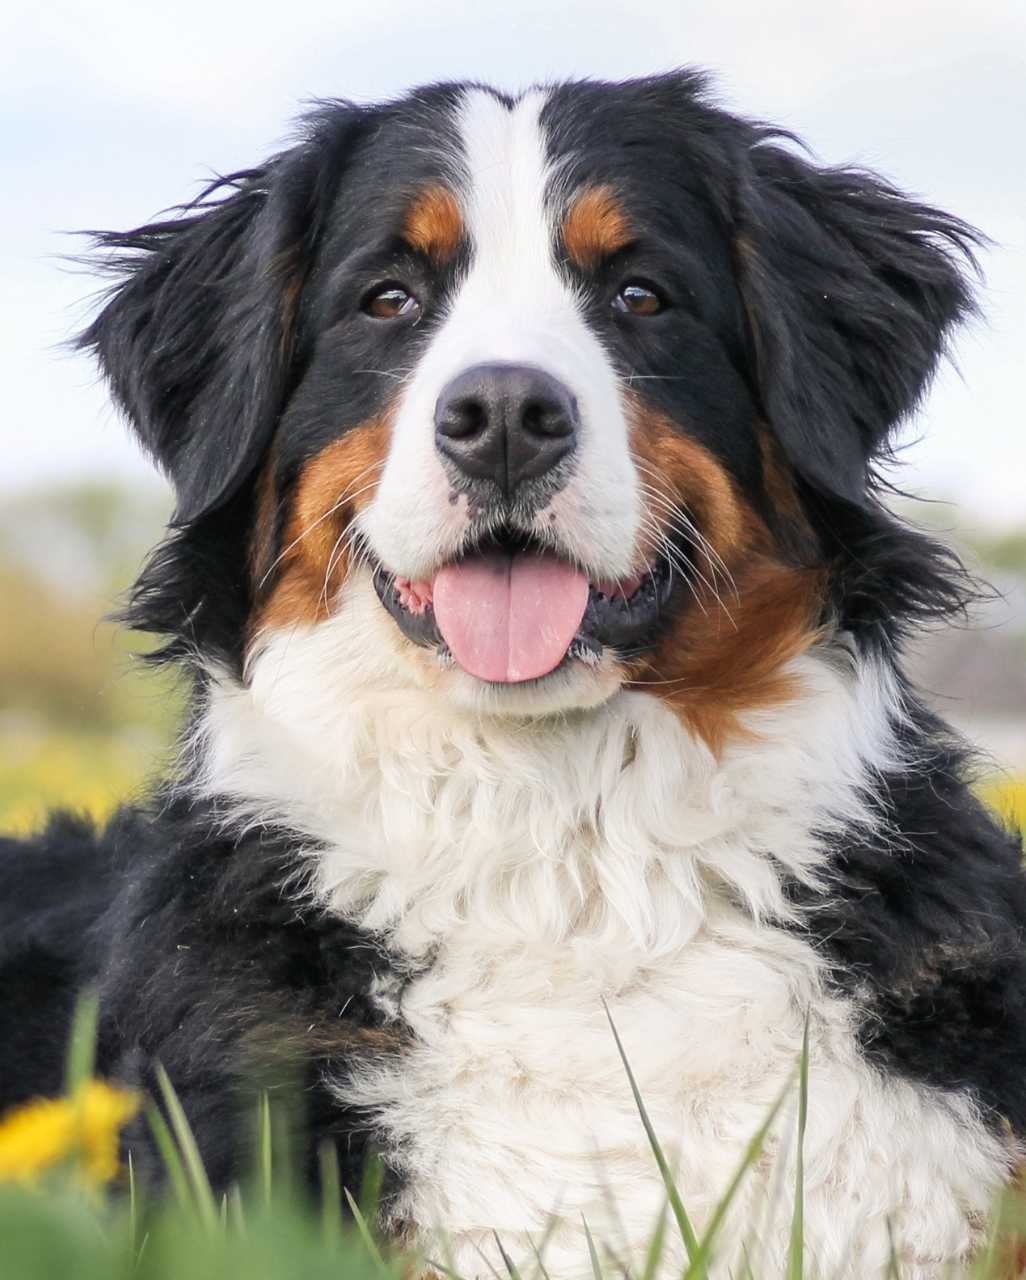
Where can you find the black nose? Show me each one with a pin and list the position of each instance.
(505, 422)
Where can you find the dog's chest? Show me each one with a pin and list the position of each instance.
(513, 1103)
(523, 877)
(511, 1115)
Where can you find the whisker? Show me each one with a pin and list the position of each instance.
(685, 525)
(696, 539)
(352, 543)
(403, 375)
(668, 549)
(681, 518)
(672, 680)
(673, 559)
(333, 558)
(673, 556)
(346, 496)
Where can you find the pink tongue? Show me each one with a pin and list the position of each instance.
(509, 618)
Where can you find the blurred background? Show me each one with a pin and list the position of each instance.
(110, 113)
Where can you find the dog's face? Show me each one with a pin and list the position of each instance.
(529, 396)
(525, 401)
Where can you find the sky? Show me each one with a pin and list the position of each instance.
(111, 112)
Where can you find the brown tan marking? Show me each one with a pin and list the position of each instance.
(778, 479)
(332, 489)
(290, 267)
(790, 518)
(261, 544)
(595, 227)
(684, 472)
(727, 653)
(434, 224)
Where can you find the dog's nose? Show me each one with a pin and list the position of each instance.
(506, 423)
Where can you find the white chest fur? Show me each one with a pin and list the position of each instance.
(532, 870)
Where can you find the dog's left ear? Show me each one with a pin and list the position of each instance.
(196, 337)
(851, 289)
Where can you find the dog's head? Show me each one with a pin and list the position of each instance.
(525, 400)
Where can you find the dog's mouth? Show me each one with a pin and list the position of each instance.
(511, 610)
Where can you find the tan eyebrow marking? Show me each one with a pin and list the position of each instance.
(595, 226)
(434, 224)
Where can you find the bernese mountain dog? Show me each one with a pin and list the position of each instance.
(544, 622)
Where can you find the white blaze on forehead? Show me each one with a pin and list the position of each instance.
(513, 276)
(514, 305)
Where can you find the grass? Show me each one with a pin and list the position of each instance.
(84, 770)
(62, 1235)
(264, 1230)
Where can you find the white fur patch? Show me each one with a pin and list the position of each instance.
(530, 869)
(513, 306)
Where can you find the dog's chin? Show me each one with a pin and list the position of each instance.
(573, 686)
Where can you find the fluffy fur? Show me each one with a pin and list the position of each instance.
(724, 818)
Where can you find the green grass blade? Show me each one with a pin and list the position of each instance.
(331, 1193)
(596, 1266)
(203, 1196)
(449, 1266)
(985, 1262)
(699, 1264)
(264, 1148)
(236, 1211)
(656, 1245)
(366, 1235)
(486, 1260)
(539, 1250)
(507, 1261)
(133, 1208)
(539, 1255)
(444, 1268)
(796, 1250)
(171, 1157)
(1006, 1233)
(370, 1187)
(81, 1061)
(673, 1195)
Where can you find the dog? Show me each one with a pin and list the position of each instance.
(543, 619)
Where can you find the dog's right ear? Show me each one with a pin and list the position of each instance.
(196, 336)
(851, 290)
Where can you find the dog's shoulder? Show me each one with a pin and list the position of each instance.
(924, 921)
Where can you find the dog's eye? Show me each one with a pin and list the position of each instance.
(390, 302)
(638, 299)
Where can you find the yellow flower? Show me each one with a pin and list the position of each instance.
(83, 1129)
(1008, 797)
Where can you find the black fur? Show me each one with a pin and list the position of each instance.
(852, 288)
(816, 300)
(204, 961)
(53, 889)
(925, 923)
